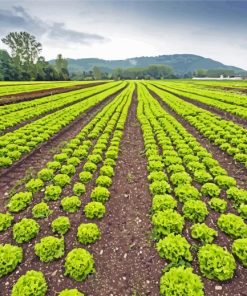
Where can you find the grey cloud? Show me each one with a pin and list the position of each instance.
(60, 32)
(19, 19)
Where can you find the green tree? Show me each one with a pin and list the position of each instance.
(61, 66)
(97, 73)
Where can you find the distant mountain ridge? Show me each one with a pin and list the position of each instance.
(181, 63)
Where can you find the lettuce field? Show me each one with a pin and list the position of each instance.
(123, 188)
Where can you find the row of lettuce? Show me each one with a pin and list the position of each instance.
(179, 166)
(229, 136)
(13, 114)
(90, 157)
(14, 145)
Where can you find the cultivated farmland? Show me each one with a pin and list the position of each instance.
(129, 188)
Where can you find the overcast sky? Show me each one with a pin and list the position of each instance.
(123, 29)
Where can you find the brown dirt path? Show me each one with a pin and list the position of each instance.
(127, 260)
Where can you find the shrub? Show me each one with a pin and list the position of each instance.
(210, 189)
(19, 201)
(41, 210)
(181, 281)
(216, 262)
(100, 194)
(79, 189)
(49, 248)
(204, 233)
(159, 187)
(218, 204)
(10, 257)
(237, 195)
(34, 185)
(71, 204)
(157, 176)
(166, 222)
(70, 292)
(239, 248)
(90, 167)
(54, 165)
(68, 169)
(225, 181)
(88, 233)
(85, 177)
(79, 263)
(60, 225)
(104, 181)
(163, 202)
(195, 210)
(180, 179)
(25, 230)
(186, 192)
(61, 157)
(52, 193)
(29, 284)
(174, 248)
(201, 176)
(5, 221)
(232, 225)
(46, 174)
(61, 180)
(107, 170)
(242, 210)
(94, 210)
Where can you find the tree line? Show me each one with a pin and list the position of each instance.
(25, 61)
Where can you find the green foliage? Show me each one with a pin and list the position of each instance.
(61, 180)
(201, 176)
(25, 230)
(94, 209)
(71, 204)
(155, 166)
(174, 248)
(237, 195)
(104, 181)
(180, 179)
(157, 176)
(30, 284)
(186, 192)
(41, 210)
(52, 193)
(242, 210)
(60, 225)
(109, 162)
(5, 221)
(79, 189)
(100, 194)
(159, 187)
(163, 202)
(79, 263)
(70, 292)
(46, 174)
(88, 233)
(19, 201)
(239, 248)
(68, 169)
(54, 165)
(34, 185)
(204, 233)
(210, 189)
(195, 210)
(218, 204)
(166, 222)
(107, 170)
(232, 225)
(75, 161)
(95, 158)
(216, 262)
(61, 157)
(85, 177)
(90, 167)
(10, 257)
(225, 181)
(181, 281)
(49, 248)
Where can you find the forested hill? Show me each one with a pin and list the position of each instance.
(181, 63)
